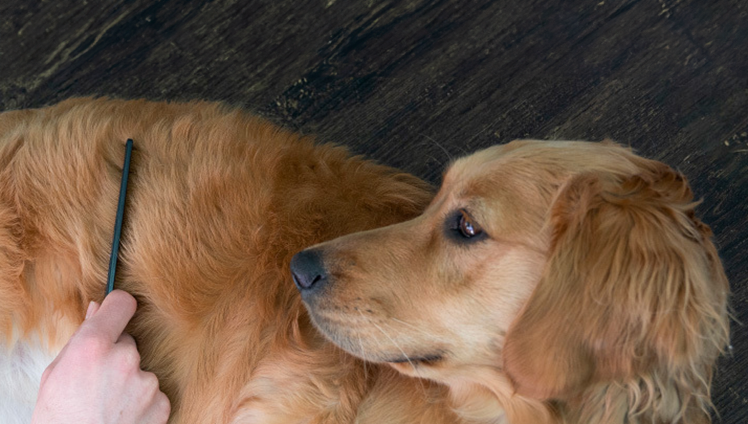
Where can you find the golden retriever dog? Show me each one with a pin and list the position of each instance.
(219, 201)
(547, 282)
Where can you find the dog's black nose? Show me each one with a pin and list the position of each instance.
(308, 271)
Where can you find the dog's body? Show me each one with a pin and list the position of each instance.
(547, 282)
(218, 203)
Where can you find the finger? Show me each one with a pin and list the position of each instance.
(46, 373)
(158, 411)
(92, 308)
(126, 358)
(61, 354)
(126, 340)
(113, 315)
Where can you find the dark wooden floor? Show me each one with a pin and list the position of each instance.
(414, 83)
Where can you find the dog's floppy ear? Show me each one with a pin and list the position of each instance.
(633, 283)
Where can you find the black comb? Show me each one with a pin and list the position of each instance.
(118, 221)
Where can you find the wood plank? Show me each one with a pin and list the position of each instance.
(414, 83)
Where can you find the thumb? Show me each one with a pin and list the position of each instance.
(112, 316)
(92, 308)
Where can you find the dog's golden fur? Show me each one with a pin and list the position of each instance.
(593, 294)
(218, 203)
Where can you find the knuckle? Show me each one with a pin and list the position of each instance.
(163, 406)
(128, 359)
(132, 357)
(150, 381)
(127, 338)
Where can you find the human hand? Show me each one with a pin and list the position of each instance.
(96, 378)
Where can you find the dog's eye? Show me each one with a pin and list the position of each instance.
(462, 228)
(468, 228)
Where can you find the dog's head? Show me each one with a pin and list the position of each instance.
(544, 268)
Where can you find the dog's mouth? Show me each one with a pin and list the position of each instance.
(421, 360)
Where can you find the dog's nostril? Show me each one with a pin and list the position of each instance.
(296, 280)
(307, 270)
(304, 282)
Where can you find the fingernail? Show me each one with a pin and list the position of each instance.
(91, 309)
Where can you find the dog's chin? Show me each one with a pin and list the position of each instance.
(338, 335)
(358, 345)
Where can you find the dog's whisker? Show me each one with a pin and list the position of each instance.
(415, 340)
(416, 328)
(407, 358)
(420, 377)
(363, 353)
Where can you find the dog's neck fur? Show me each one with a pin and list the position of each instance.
(485, 395)
(488, 397)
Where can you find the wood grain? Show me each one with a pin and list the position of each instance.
(416, 83)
